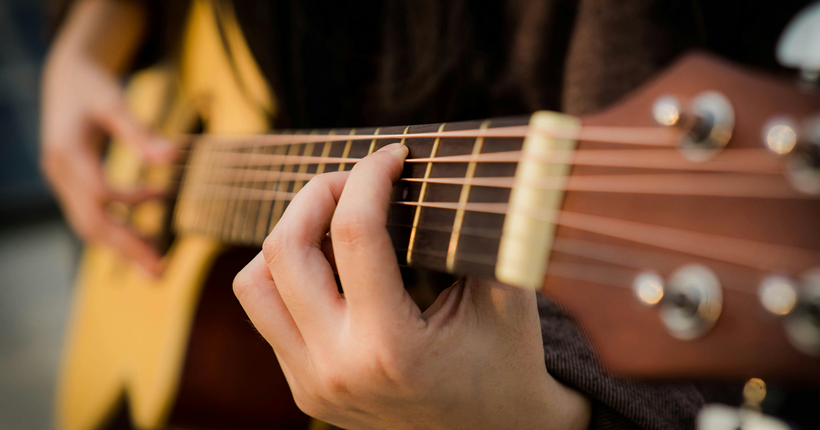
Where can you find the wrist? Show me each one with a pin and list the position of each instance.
(545, 404)
(568, 408)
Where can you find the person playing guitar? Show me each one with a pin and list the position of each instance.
(482, 354)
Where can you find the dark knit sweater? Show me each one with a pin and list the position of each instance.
(616, 403)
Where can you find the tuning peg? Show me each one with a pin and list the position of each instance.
(799, 303)
(802, 144)
(708, 120)
(648, 288)
(779, 134)
(799, 45)
(747, 417)
(803, 324)
(689, 303)
(778, 295)
(721, 417)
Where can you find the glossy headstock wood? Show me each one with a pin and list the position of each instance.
(746, 339)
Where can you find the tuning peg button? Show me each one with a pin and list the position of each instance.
(780, 135)
(803, 164)
(778, 295)
(799, 45)
(708, 122)
(667, 111)
(689, 303)
(803, 324)
(648, 288)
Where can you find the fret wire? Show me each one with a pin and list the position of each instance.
(182, 213)
(189, 214)
(373, 142)
(462, 201)
(263, 221)
(240, 222)
(214, 208)
(482, 232)
(220, 208)
(487, 260)
(202, 206)
(279, 205)
(230, 205)
(249, 234)
(298, 184)
(252, 216)
(234, 201)
(346, 152)
(417, 214)
(325, 153)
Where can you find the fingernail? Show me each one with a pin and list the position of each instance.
(399, 148)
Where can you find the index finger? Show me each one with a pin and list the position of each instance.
(365, 258)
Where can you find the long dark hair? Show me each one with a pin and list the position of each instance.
(336, 63)
(378, 62)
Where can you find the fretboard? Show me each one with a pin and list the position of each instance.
(237, 192)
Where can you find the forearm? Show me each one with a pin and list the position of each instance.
(105, 32)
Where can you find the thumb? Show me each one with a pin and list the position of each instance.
(117, 120)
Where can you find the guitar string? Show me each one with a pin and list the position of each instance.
(706, 184)
(730, 160)
(618, 255)
(730, 281)
(634, 259)
(661, 261)
(758, 255)
(751, 253)
(650, 136)
(472, 207)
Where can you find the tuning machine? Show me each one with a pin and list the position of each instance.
(689, 302)
(708, 121)
(747, 417)
(803, 163)
(799, 45)
(800, 144)
(799, 304)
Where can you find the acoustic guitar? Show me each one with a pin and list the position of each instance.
(679, 228)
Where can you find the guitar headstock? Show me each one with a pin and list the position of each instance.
(702, 257)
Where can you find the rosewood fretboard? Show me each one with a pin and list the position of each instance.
(237, 194)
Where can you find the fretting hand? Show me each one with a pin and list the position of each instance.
(370, 358)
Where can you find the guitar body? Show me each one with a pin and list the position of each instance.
(179, 352)
(131, 335)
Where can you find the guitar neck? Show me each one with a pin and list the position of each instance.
(650, 219)
(448, 210)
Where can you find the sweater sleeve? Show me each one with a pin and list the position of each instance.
(616, 403)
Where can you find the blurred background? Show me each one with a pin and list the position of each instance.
(38, 253)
